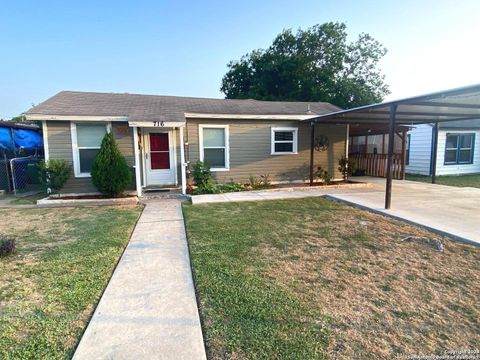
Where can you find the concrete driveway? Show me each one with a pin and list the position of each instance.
(448, 209)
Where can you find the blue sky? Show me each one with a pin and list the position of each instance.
(182, 47)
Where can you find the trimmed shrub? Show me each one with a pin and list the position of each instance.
(7, 245)
(347, 167)
(323, 175)
(54, 174)
(201, 174)
(259, 183)
(110, 172)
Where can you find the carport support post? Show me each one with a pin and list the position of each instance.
(391, 140)
(312, 147)
(404, 154)
(434, 152)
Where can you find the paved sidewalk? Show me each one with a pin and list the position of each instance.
(149, 309)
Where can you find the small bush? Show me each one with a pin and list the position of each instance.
(265, 181)
(347, 167)
(253, 182)
(7, 245)
(54, 174)
(201, 174)
(259, 183)
(110, 172)
(323, 175)
(207, 188)
(231, 187)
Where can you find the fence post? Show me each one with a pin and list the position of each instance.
(12, 169)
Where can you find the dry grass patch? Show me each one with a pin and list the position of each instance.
(379, 297)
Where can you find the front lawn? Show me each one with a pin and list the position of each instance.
(50, 286)
(470, 180)
(310, 278)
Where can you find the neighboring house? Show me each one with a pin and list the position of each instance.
(163, 136)
(458, 148)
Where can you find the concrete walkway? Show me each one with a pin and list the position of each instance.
(453, 211)
(149, 309)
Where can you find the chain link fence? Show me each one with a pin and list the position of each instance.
(25, 175)
(5, 182)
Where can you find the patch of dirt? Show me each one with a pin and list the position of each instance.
(386, 297)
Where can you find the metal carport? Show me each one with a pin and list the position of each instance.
(449, 105)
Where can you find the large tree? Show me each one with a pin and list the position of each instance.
(317, 64)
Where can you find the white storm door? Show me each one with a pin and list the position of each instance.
(159, 159)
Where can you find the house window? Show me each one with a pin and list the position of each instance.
(214, 147)
(284, 141)
(459, 149)
(86, 141)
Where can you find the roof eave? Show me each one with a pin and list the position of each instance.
(42, 117)
(195, 115)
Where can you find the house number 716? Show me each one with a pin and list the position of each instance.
(159, 123)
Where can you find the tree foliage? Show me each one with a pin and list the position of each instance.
(110, 172)
(19, 118)
(318, 64)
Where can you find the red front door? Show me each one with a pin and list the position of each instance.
(159, 151)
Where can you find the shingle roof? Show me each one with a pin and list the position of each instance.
(166, 108)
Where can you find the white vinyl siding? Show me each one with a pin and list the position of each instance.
(420, 150)
(455, 169)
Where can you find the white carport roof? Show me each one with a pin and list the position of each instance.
(460, 104)
(449, 105)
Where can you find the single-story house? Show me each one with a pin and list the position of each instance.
(163, 136)
(457, 150)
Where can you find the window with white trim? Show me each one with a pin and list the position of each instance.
(214, 147)
(284, 141)
(459, 149)
(86, 141)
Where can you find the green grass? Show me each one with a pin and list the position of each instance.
(313, 279)
(469, 180)
(246, 312)
(50, 286)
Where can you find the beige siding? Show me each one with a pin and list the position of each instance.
(250, 147)
(60, 147)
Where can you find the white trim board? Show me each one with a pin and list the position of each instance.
(157, 124)
(46, 153)
(193, 115)
(137, 162)
(183, 165)
(76, 118)
(227, 144)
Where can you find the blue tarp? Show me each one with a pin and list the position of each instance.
(6, 143)
(30, 141)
